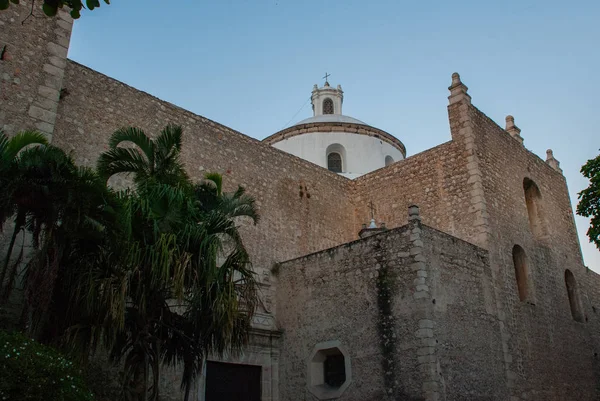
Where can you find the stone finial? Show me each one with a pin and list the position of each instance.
(458, 90)
(372, 229)
(512, 129)
(413, 213)
(552, 162)
(455, 78)
(315, 87)
(339, 87)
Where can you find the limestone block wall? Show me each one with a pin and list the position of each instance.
(444, 335)
(548, 355)
(469, 346)
(437, 180)
(304, 208)
(333, 295)
(34, 52)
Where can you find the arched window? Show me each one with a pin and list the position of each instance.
(573, 293)
(521, 272)
(335, 156)
(327, 106)
(533, 200)
(388, 160)
(334, 162)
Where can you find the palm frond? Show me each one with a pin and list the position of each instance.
(215, 179)
(10, 148)
(136, 136)
(123, 160)
(170, 139)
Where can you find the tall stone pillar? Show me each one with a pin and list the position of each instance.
(33, 59)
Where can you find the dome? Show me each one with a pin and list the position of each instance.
(339, 143)
(330, 118)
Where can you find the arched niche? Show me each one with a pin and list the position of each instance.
(521, 273)
(535, 209)
(573, 294)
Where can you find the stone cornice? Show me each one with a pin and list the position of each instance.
(349, 128)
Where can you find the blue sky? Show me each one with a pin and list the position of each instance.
(251, 65)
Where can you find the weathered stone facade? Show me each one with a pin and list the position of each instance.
(444, 340)
(429, 309)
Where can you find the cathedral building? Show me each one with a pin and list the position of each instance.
(474, 289)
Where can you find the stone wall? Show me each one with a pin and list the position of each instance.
(32, 67)
(333, 295)
(436, 180)
(445, 335)
(468, 338)
(303, 208)
(547, 354)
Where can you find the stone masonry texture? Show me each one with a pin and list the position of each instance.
(427, 310)
(32, 69)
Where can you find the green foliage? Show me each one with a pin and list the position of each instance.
(150, 161)
(589, 199)
(32, 371)
(61, 205)
(50, 7)
(156, 276)
(5, 3)
(176, 283)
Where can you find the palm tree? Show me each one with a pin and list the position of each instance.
(10, 147)
(65, 209)
(152, 160)
(70, 234)
(177, 284)
(12, 186)
(211, 197)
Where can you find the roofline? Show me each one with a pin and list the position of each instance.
(331, 126)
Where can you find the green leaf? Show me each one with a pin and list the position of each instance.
(91, 4)
(3, 4)
(75, 14)
(14, 1)
(49, 10)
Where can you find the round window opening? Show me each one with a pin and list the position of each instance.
(329, 372)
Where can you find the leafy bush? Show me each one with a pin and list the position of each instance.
(32, 371)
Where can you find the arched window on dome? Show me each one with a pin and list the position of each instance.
(327, 106)
(389, 160)
(335, 156)
(334, 162)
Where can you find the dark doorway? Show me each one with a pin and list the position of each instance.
(232, 382)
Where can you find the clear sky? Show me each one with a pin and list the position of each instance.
(251, 65)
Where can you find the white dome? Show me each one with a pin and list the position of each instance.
(330, 118)
(340, 143)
